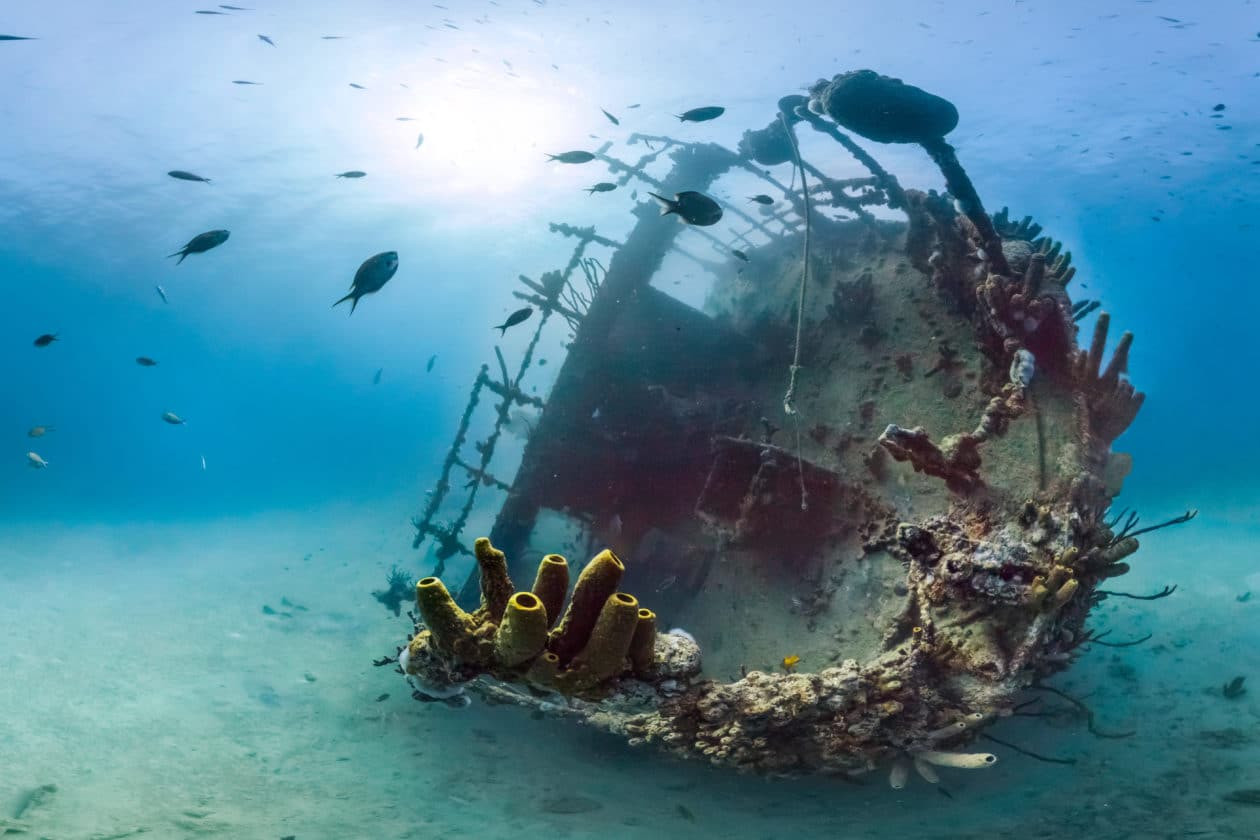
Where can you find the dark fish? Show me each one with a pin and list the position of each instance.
(371, 277)
(208, 12)
(351, 173)
(331, 37)
(382, 698)
(145, 361)
(572, 157)
(602, 186)
(187, 176)
(692, 207)
(376, 380)
(761, 198)
(635, 105)
(685, 812)
(1246, 796)
(740, 254)
(201, 243)
(235, 8)
(405, 119)
(1218, 107)
(46, 339)
(429, 366)
(515, 318)
(611, 118)
(16, 38)
(266, 40)
(244, 82)
(712, 112)
(357, 87)
(1234, 688)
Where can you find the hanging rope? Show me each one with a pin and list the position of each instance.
(789, 398)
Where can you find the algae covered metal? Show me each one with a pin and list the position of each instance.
(874, 565)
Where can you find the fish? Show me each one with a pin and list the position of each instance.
(382, 698)
(371, 277)
(357, 87)
(692, 207)
(45, 339)
(1234, 688)
(666, 582)
(572, 157)
(429, 366)
(236, 8)
(350, 173)
(208, 12)
(40, 431)
(161, 293)
(711, 112)
(145, 361)
(790, 662)
(376, 380)
(201, 243)
(761, 198)
(635, 105)
(611, 118)
(331, 37)
(187, 176)
(173, 418)
(16, 38)
(203, 463)
(602, 186)
(34, 461)
(740, 254)
(266, 40)
(517, 317)
(405, 119)
(1218, 107)
(419, 140)
(244, 82)
(685, 812)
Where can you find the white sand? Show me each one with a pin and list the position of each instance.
(139, 674)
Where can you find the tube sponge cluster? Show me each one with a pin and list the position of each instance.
(529, 636)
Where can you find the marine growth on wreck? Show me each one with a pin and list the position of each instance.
(872, 478)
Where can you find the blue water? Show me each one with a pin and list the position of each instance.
(1094, 117)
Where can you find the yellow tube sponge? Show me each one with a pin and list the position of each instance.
(523, 631)
(496, 586)
(964, 761)
(551, 584)
(543, 671)
(643, 643)
(597, 583)
(447, 623)
(604, 655)
(1065, 592)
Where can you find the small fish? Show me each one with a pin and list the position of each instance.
(40, 431)
(790, 662)
(34, 461)
(357, 87)
(350, 173)
(1243, 598)
(740, 254)
(201, 243)
(208, 12)
(666, 583)
(161, 293)
(331, 37)
(711, 112)
(1234, 688)
(382, 698)
(761, 198)
(692, 207)
(235, 8)
(419, 140)
(685, 812)
(376, 380)
(405, 119)
(266, 40)
(572, 157)
(635, 105)
(1246, 796)
(244, 82)
(173, 418)
(145, 361)
(16, 38)
(611, 118)
(371, 277)
(203, 463)
(429, 366)
(45, 339)
(187, 176)
(602, 186)
(515, 318)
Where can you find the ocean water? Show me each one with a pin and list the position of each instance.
(187, 627)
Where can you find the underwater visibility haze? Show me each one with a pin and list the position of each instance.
(629, 420)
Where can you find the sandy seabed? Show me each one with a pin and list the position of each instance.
(141, 676)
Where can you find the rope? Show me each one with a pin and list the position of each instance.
(789, 407)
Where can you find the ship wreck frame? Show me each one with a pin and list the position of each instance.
(875, 566)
